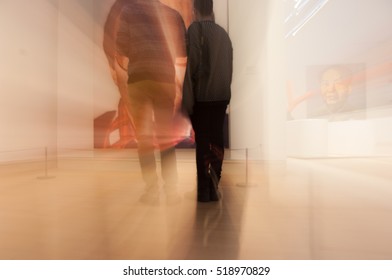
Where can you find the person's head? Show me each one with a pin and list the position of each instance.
(335, 86)
(204, 9)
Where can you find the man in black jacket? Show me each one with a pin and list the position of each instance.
(206, 95)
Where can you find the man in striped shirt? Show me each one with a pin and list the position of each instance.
(151, 36)
(206, 94)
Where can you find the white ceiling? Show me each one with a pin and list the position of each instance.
(341, 30)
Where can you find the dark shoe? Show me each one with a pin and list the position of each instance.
(203, 194)
(203, 199)
(214, 192)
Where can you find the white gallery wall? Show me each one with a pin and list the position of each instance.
(106, 95)
(75, 75)
(258, 106)
(28, 79)
(342, 32)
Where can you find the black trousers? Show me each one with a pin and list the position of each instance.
(208, 121)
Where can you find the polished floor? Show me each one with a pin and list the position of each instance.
(88, 208)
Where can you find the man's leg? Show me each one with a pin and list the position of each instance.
(164, 104)
(140, 109)
(200, 123)
(217, 150)
(218, 114)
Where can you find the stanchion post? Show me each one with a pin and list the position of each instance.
(246, 184)
(46, 167)
(46, 161)
(246, 166)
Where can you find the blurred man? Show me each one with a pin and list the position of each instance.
(115, 129)
(149, 40)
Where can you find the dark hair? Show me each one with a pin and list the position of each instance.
(204, 7)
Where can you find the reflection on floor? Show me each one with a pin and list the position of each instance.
(298, 209)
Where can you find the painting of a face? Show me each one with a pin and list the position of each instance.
(334, 86)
